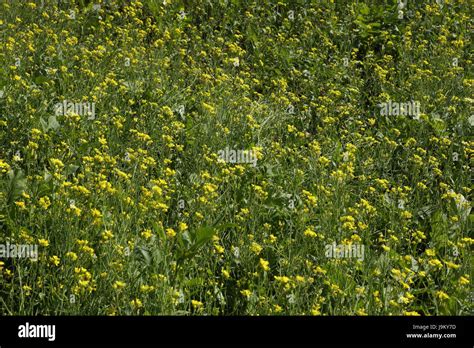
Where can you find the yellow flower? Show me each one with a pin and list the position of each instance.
(310, 198)
(43, 242)
(300, 279)
(55, 260)
(412, 313)
(4, 166)
(56, 162)
(147, 288)
(442, 295)
(21, 205)
(246, 293)
(264, 264)
(256, 248)
(435, 263)
(96, 213)
(44, 202)
(318, 270)
(430, 252)
(282, 279)
(27, 289)
(72, 255)
(209, 188)
(196, 304)
(452, 265)
(136, 303)
(170, 232)
(421, 186)
(310, 233)
(119, 285)
(106, 235)
(316, 309)
(209, 108)
(464, 280)
(291, 129)
(147, 234)
(225, 273)
(219, 248)
(8, 273)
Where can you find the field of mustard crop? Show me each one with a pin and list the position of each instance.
(236, 157)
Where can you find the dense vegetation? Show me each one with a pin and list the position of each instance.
(115, 118)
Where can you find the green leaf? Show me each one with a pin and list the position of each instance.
(204, 234)
(364, 9)
(200, 237)
(44, 125)
(145, 253)
(17, 184)
(186, 238)
(53, 123)
(40, 79)
(71, 169)
(439, 229)
(159, 230)
(47, 175)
